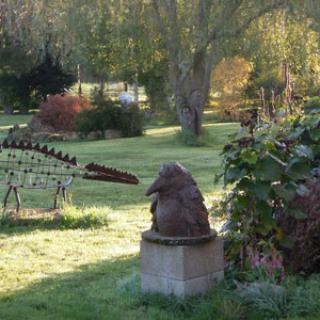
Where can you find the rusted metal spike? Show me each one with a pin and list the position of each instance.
(37, 147)
(73, 161)
(5, 143)
(13, 144)
(66, 158)
(110, 174)
(21, 145)
(44, 149)
(51, 152)
(29, 146)
(89, 166)
(59, 155)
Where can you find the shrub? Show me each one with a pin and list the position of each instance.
(71, 217)
(267, 171)
(109, 115)
(187, 137)
(59, 111)
(82, 218)
(312, 105)
(48, 77)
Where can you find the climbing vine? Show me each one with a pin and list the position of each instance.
(266, 171)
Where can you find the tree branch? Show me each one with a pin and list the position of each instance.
(217, 35)
(169, 40)
(273, 6)
(160, 23)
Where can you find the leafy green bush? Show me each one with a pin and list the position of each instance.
(109, 115)
(266, 171)
(82, 218)
(187, 137)
(312, 105)
(70, 218)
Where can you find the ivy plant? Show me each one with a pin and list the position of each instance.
(264, 171)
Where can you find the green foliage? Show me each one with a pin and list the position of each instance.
(14, 90)
(268, 45)
(154, 79)
(312, 105)
(75, 218)
(71, 217)
(109, 115)
(188, 138)
(48, 77)
(29, 88)
(96, 270)
(266, 171)
(5, 218)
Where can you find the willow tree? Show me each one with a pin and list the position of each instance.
(194, 33)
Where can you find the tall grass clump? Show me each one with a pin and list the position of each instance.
(187, 137)
(83, 218)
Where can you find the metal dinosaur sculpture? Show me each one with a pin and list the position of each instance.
(31, 166)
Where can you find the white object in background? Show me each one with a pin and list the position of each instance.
(125, 98)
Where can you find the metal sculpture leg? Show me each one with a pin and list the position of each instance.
(5, 200)
(64, 194)
(55, 206)
(16, 194)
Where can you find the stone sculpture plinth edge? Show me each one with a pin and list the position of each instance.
(180, 266)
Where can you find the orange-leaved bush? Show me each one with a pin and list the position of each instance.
(59, 111)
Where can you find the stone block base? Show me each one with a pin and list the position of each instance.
(181, 270)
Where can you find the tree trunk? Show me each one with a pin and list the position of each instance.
(190, 107)
(135, 90)
(8, 109)
(192, 93)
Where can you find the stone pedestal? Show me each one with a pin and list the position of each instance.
(181, 270)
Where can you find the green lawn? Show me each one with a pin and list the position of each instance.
(93, 273)
(51, 271)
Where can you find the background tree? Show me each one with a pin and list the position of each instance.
(278, 39)
(229, 82)
(194, 33)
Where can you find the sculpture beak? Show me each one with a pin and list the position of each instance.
(158, 184)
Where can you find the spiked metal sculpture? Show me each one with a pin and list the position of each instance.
(24, 165)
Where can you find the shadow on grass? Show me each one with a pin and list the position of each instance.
(107, 290)
(96, 291)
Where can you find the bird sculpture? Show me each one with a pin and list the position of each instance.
(177, 208)
(30, 166)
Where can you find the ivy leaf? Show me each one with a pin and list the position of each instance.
(261, 189)
(286, 191)
(303, 151)
(287, 242)
(249, 156)
(299, 169)
(296, 133)
(242, 202)
(264, 212)
(296, 213)
(263, 209)
(233, 174)
(268, 169)
(315, 134)
(316, 149)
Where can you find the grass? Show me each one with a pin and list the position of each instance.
(88, 273)
(88, 266)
